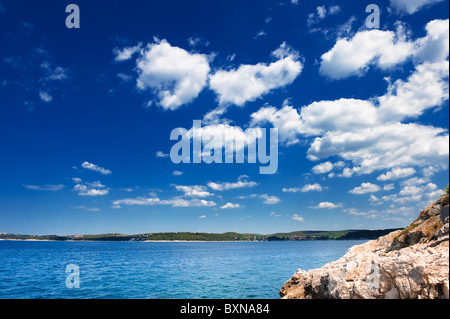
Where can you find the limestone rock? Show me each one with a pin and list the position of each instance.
(407, 264)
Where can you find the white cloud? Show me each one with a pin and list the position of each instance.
(431, 170)
(327, 205)
(91, 209)
(397, 173)
(350, 57)
(317, 118)
(174, 202)
(195, 41)
(48, 187)
(307, 188)
(126, 53)
(124, 77)
(367, 135)
(434, 47)
(321, 13)
(298, 218)
(384, 147)
(230, 206)
(177, 173)
(194, 191)
(260, 34)
(96, 168)
(249, 82)
(177, 202)
(411, 6)
(77, 180)
(414, 181)
(202, 217)
(322, 168)
(312, 187)
(273, 214)
(425, 88)
(160, 154)
(45, 97)
(54, 73)
(417, 190)
(287, 120)
(384, 49)
(270, 200)
(91, 189)
(365, 188)
(226, 186)
(174, 75)
(343, 115)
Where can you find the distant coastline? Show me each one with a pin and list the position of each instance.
(209, 237)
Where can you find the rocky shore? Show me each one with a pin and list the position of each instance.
(412, 263)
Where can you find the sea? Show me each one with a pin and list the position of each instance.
(157, 270)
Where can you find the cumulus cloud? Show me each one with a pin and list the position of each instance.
(343, 115)
(298, 218)
(424, 89)
(371, 137)
(96, 168)
(353, 56)
(327, 205)
(287, 120)
(174, 75)
(270, 200)
(307, 188)
(322, 168)
(365, 188)
(249, 82)
(411, 6)
(397, 173)
(384, 49)
(415, 190)
(384, 147)
(230, 206)
(225, 135)
(227, 185)
(194, 191)
(90, 189)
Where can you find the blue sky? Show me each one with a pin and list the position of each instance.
(86, 114)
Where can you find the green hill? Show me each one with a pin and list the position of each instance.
(229, 236)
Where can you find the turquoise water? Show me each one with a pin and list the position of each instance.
(139, 270)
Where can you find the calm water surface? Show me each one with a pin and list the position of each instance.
(138, 270)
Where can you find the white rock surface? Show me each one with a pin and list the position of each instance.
(408, 264)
